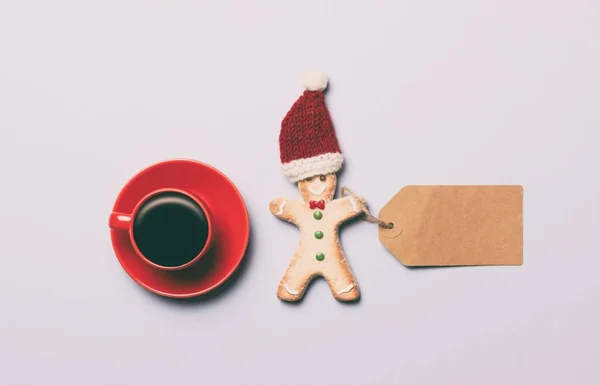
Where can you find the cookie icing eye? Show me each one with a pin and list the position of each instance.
(309, 179)
(322, 177)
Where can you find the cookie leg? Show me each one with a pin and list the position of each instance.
(295, 281)
(341, 280)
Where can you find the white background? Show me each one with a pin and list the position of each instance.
(422, 92)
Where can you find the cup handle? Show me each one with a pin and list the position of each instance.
(119, 221)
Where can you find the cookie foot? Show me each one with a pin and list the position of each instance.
(348, 293)
(286, 293)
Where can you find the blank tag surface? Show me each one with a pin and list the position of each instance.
(455, 225)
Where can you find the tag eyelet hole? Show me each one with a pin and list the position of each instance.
(391, 229)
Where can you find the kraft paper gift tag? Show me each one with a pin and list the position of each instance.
(455, 225)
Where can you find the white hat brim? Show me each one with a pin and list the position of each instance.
(323, 164)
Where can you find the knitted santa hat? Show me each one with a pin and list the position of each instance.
(308, 145)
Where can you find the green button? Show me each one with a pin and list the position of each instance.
(320, 256)
(318, 215)
(318, 234)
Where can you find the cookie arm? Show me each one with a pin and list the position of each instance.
(286, 209)
(348, 207)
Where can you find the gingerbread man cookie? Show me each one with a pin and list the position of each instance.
(311, 157)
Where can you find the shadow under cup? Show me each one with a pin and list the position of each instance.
(169, 229)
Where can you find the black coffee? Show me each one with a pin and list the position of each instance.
(170, 229)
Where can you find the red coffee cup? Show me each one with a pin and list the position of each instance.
(170, 229)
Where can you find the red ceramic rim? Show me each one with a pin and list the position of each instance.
(242, 222)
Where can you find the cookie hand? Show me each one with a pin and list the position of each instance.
(286, 209)
(277, 206)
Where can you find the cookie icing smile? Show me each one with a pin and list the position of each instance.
(319, 191)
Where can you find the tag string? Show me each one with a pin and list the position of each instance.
(367, 214)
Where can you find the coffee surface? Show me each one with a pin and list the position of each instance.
(170, 229)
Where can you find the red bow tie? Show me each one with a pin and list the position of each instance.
(317, 205)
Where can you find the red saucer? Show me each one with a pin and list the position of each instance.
(231, 228)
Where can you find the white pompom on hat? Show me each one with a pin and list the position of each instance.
(315, 81)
